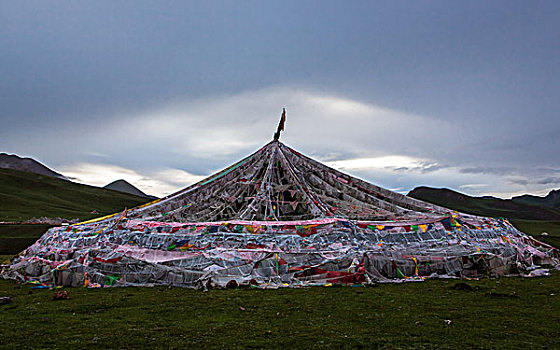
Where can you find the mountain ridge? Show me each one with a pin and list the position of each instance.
(551, 200)
(124, 186)
(486, 206)
(13, 161)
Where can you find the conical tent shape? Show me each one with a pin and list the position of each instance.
(279, 183)
(278, 218)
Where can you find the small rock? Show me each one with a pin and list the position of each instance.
(544, 234)
(61, 295)
(418, 323)
(5, 300)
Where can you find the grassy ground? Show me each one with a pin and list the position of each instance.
(508, 313)
(15, 238)
(535, 228)
(25, 195)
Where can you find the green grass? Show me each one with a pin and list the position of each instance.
(508, 313)
(535, 228)
(15, 238)
(5, 257)
(26, 195)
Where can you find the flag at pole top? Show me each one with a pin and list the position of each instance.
(280, 125)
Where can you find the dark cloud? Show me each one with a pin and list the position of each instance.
(430, 167)
(523, 182)
(549, 181)
(497, 170)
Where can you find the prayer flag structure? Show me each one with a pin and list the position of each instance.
(278, 218)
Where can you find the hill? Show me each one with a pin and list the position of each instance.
(126, 187)
(530, 219)
(486, 206)
(25, 195)
(552, 200)
(12, 161)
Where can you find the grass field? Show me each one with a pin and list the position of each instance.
(509, 313)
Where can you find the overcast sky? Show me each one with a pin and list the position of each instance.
(458, 94)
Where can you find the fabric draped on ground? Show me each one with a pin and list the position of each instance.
(276, 254)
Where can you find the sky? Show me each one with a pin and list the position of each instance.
(456, 94)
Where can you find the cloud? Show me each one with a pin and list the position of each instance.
(99, 174)
(167, 181)
(385, 162)
(95, 154)
(519, 181)
(492, 169)
(200, 136)
(549, 180)
(159, 183)
(169, 146)
(431, 167)
(473, 186)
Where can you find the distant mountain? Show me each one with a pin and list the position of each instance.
(12, 161)
(485, 206)
(24, 195)
(126, 187)
(552, 200)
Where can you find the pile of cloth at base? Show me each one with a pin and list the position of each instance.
(276, 254)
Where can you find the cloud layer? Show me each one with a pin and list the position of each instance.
(174, 145)
(455, 94)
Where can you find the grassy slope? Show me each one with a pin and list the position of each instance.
(485, 206)
(15, 238)
(552, 200)
(26, 195)
(509, 313)
(536, 227)
(530, 219)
